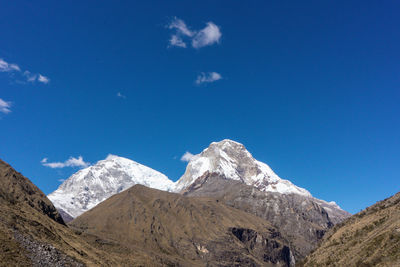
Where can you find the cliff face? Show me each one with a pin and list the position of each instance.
(369, 238)
(302, 220)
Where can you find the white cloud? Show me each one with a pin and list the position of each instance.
(43, 79)
(120, 95)
(71, 162)
(207, 36)
(5, 106)
(208, 77)
(187, 156)
(30, 77)
(61, 180)
(7, 67)
(180, 27)
(177, 41)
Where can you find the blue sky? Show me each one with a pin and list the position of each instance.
(310, 88)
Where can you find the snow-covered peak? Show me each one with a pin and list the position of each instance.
(90, 186)
(231, 160)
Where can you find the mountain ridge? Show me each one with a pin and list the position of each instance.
(229, 159)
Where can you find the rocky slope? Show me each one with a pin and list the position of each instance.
(32, 233)
(301, 219)
(228, 172)
(90, 186)
(369, 238)
(188, 231)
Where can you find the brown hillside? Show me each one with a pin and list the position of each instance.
(16, 189)
(33, 234)
(188, 231)
(369, 238)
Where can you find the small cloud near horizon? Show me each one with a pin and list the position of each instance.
(209, 35)
(187, 156)
(208, 77)
(71, 162)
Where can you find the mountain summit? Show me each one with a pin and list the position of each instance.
(90, 186)
(231, 160)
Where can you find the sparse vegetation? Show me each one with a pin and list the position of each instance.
(368, 238)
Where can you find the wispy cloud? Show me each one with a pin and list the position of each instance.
(26, 75)
(208, 77)
(187, 156)
(61, 180)
(177, 41)
(5, 106)
(71, 162)
(8, 67)
(180, 27)
(29, 76)
(209, 35)
(121, 95)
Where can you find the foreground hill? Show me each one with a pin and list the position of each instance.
(369, 238)
(32, 232)
(186, 231)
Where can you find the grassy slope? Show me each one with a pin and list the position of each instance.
(369, 238)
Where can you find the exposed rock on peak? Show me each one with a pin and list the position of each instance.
(231, 160)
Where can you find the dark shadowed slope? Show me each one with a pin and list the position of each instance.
(16, 189)
(32, 232)
(369, 238)
(188, 231)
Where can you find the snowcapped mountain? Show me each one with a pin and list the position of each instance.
(90, 186)
(231, 160)
(228, 159)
